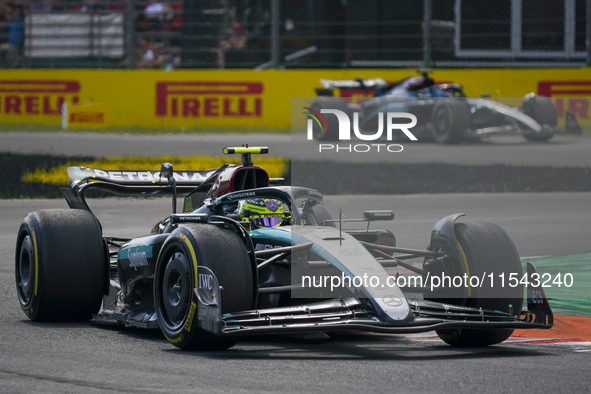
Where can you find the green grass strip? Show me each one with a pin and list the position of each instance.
(574, 300)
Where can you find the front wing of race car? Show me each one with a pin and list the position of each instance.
(352, 314)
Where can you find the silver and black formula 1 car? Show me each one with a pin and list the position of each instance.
(444, 113)
(209, 275)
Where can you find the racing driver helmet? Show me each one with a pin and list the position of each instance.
(262, 212)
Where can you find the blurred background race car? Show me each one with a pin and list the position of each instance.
(444, 113)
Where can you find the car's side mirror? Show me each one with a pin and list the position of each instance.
(372, 216)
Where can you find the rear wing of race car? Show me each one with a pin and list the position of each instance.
(355, 84)
(167, 181)
(129, 182)
(122, 179)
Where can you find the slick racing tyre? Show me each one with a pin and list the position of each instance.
(450, 118)
(486, 249)
(330, 130)
(61, 265)
(177, 269)
(542, 110)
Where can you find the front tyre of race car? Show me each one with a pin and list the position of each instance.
(60, 265)
(542, 110)
(485, 250)
(450, 117)
(177, 274)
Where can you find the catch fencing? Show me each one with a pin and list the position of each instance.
(308, 34)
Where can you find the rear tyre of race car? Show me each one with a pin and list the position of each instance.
(61, 265)
(187, 248)
(542, 110)
(487, 249)
(330, 130)
(450, 118)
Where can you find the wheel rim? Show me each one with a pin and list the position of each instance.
(25, 271)
(176, 290)
(441, 123)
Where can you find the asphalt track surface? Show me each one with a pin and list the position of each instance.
(83, 357)
(560, 151)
